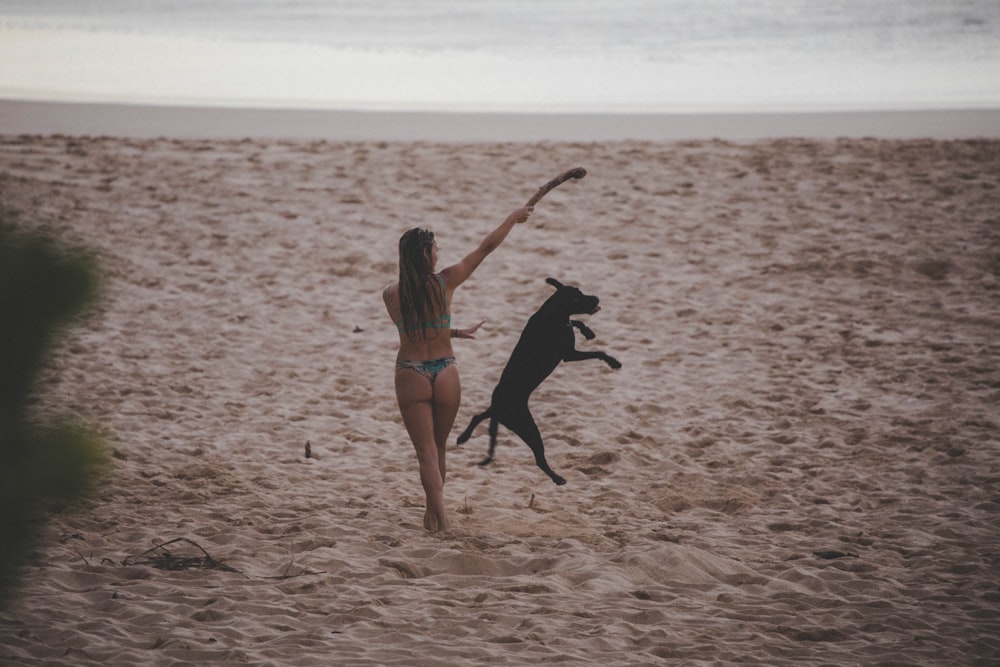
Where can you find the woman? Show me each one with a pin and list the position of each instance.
(427, 384)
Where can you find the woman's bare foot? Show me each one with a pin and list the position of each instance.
(435, 523)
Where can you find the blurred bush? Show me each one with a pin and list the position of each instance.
(43, 467)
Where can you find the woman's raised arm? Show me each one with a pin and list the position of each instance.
(457, 274)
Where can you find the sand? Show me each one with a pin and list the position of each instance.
(810, 333)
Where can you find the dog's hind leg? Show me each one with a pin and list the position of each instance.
(494, 424)
(523, 425)
(467, 433)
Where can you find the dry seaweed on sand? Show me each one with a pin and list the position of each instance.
(163, 559)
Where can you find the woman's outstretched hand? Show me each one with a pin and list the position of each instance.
(519, 215)
(467, 333)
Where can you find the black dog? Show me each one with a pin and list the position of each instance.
(546, 340)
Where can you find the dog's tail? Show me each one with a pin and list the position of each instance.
(467, 433)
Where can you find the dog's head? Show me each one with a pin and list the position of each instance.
(569, 300)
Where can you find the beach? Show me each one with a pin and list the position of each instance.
(808, 326)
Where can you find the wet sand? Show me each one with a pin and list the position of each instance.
(144, 121)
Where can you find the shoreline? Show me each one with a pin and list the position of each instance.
(144, 121)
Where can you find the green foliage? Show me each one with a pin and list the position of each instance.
(43, 289)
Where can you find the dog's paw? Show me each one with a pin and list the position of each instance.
(558, 480)
(485, 462)
(614, 363)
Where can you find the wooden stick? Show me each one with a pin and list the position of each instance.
(578, 172)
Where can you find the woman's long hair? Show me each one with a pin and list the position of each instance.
(420, 299)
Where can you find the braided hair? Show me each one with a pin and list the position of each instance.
(417, 303)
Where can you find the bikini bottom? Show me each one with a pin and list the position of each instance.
(429, 369)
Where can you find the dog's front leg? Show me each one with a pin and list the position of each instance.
(578, 355)
(587, 332)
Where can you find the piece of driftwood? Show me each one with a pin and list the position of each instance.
(577, 173)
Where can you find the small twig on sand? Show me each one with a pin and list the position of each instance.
(284, 575)
(830, 554)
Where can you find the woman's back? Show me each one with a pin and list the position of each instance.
(426, 337)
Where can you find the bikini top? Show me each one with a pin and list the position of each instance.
(442, 322)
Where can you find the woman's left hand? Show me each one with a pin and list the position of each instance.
(467, 333)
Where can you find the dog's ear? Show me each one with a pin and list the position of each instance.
(555, 283)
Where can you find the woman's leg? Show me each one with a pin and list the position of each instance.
(447, 397)
(415, 395)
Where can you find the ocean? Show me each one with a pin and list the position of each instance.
(507, 55)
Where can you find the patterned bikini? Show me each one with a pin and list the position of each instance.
(430, 369)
